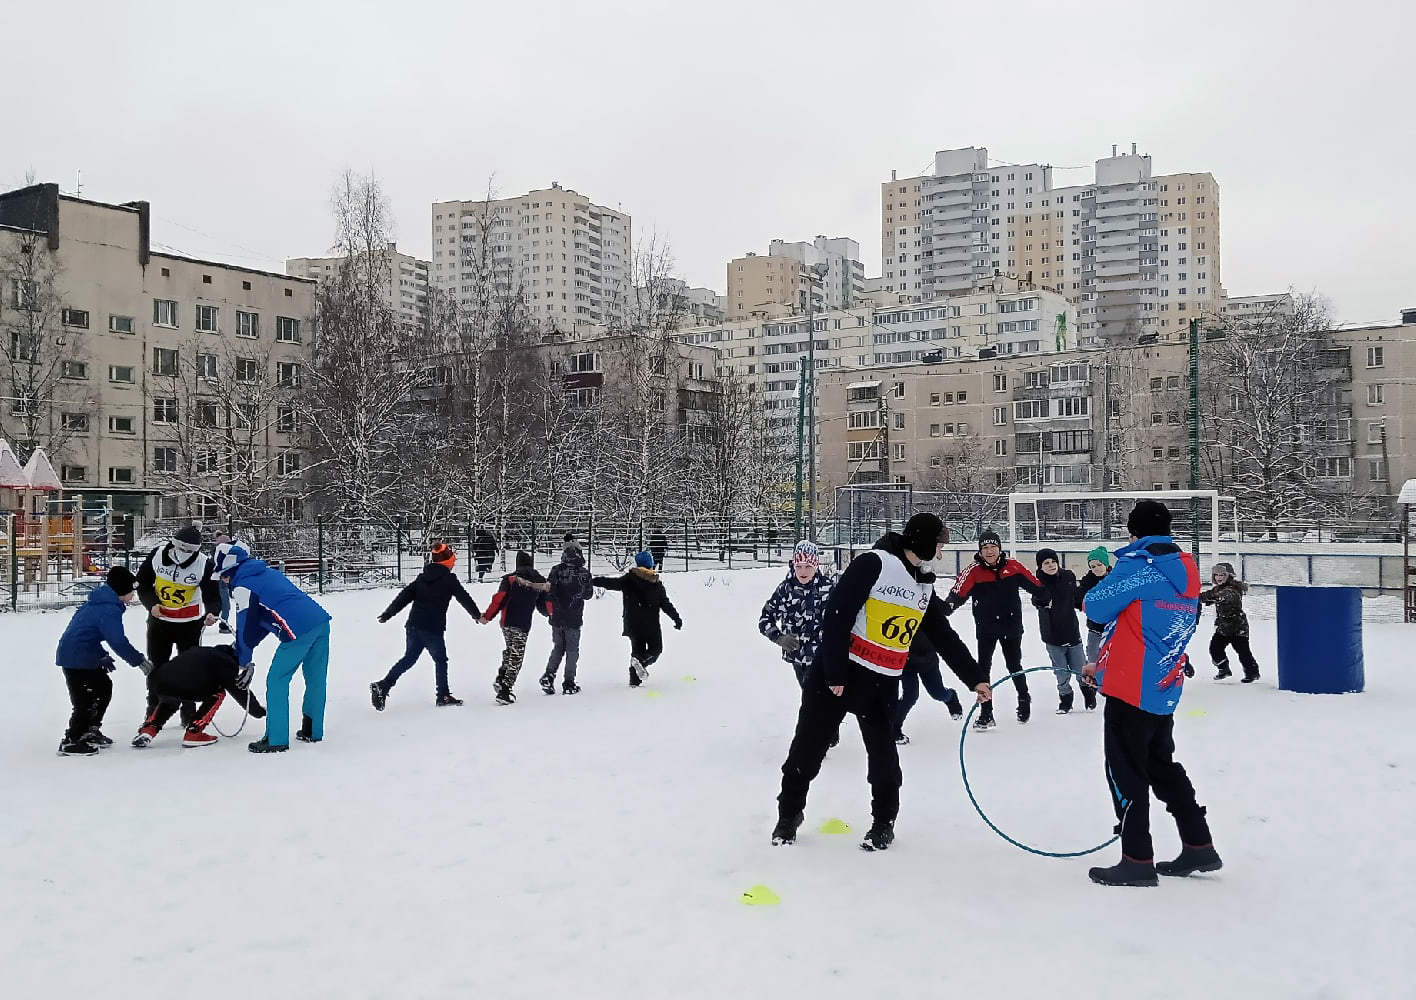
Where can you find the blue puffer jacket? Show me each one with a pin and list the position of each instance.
(267, 603)
(99, 620)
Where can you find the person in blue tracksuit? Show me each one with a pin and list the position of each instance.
(86, 664)
(267, 603)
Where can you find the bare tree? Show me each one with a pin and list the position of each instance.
(965, 474)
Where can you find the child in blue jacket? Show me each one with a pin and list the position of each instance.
(268, 603)
(86, 664)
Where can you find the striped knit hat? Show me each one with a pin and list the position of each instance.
(444, 554)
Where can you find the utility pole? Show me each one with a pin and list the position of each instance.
(801, 427)
(1106, 452)
(813, 272)
(1195, 436)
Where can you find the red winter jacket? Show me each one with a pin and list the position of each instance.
(997, 605)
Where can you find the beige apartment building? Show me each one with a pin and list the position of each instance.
(570, 256)
(768, 286)
(149, 351)
(407, 282)
(1137, 253)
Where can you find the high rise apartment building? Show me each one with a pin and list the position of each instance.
(768, 286)
(842, 286)
(407, 286)
(1138, 253)
(570, 256)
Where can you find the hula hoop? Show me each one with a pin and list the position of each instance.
(964, 771)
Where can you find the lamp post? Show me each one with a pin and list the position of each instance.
(813, 273)
(1195, 437)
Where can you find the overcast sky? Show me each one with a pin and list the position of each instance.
(725, 124)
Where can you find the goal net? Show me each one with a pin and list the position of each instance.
(1203, 521)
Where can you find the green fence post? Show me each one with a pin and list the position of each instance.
(14, 565)
(590, 542)
(533, 537)
(685, 545)
(471, 556)
(398, 547)
(728, 533)
(319, 546)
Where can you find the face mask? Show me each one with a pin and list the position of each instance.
(185, 549)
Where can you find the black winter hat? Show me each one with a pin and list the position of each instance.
(989, 535)
(121, 580)
(922, 535)
(523, 558)
(190, 534)
(1045, 554)
(1149, 517)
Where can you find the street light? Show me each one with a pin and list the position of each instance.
(813, 273)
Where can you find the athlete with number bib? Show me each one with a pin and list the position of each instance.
(176, 585)
(881, 601)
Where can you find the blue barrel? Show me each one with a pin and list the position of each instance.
(1320, 640)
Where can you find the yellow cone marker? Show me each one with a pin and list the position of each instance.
(689, 677)
(653, 694)
(1195, 713)
(760, 895)
(834, 826)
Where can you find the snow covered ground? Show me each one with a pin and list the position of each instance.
(598, 846)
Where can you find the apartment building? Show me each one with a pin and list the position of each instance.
(842, 286)
(570, 256)
(1138, 253)
(695, 306)
(768, 286)
(147, 347)
(407, 282)
(1249, 310)
(1382, 404)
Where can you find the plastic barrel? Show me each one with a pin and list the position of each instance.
(1320, 640)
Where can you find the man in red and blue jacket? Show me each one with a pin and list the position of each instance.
(1150, 606)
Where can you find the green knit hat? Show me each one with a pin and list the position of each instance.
(1099, 554)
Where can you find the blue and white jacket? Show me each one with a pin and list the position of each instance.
(267, 603)
(797, 608)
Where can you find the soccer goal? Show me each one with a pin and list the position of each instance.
(1084, 517)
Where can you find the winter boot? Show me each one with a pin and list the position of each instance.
(97, 738)
(880, 837)
(80, 747)
(378, 694)
(306, 732)
(1249, 678)
(145, 736)
(633, 674)
(955, 706)
(1064, 703)
(548, 684)
(985, 718)
(447, 701)
(1223, 671)
(223, 628)
(784, 833)
(835, 740)
(1191, 860)
(570, 687)
(1126, 872)
(263, 745)
(1089, 697)
(504, 696)
(641, 670)
(197, 736)
(1024, 709)
(901, 740)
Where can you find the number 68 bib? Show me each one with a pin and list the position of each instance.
(887, 624)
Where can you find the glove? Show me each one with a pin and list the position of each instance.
(678, 625)
(244, 675)
(105, 663)
(383, 619)
(790, 643)
(146, 667)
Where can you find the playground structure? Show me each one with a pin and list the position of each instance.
(48, 538)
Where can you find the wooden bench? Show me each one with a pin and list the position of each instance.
(306, 567)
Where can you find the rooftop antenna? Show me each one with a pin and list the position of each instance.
(79, 186)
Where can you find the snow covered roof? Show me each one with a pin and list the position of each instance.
(11, 475)
(1408, 492)
(39, 473)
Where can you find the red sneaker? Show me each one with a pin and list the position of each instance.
(145, 736)
(197, 738)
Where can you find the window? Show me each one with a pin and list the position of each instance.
(587, 362)
(248, 325)
(287, 463)
(1157, 453)
(1030, 409)
(122, 324)
(79, 318)
(1374, 356)
(1376, 470)
(898, 390)
(73, 473)
(120, 425)
(164, 361)
(963, 397)
(1172, 453)
(292, 508)
(22, 345)
(206, 366)
(1000, 447)
(245, 416)
(286, 422)
(205, 414)
(934, 430)
(1374, 395)
(1173, 417)
(164, 312)
(120, 475)
(582, 398)
(899, 421)
(1172, 382)
(1069, 442)
(1000, 416)
(861, 419)
(1374, 432)
(288, 374)
(934, 399)
(164, 459)
(1157, 418)
(74, 369)
(122, 374)
(858, 451)
(1073, 406)
(164, 410)
(1334, 468)
(76, 422)
(1157, 384)
(24, 294)
(287, 331)
(1000, 383)
(899, 453)
(247, 370)
(207, 317)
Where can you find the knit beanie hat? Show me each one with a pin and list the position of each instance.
(524, 558)
(1045, 554)
(644, 560)
(989, 535)
(444, 554)
(1099, 554)
(121, 580)
(806, 553)
(1149, 517)
(922, 535)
